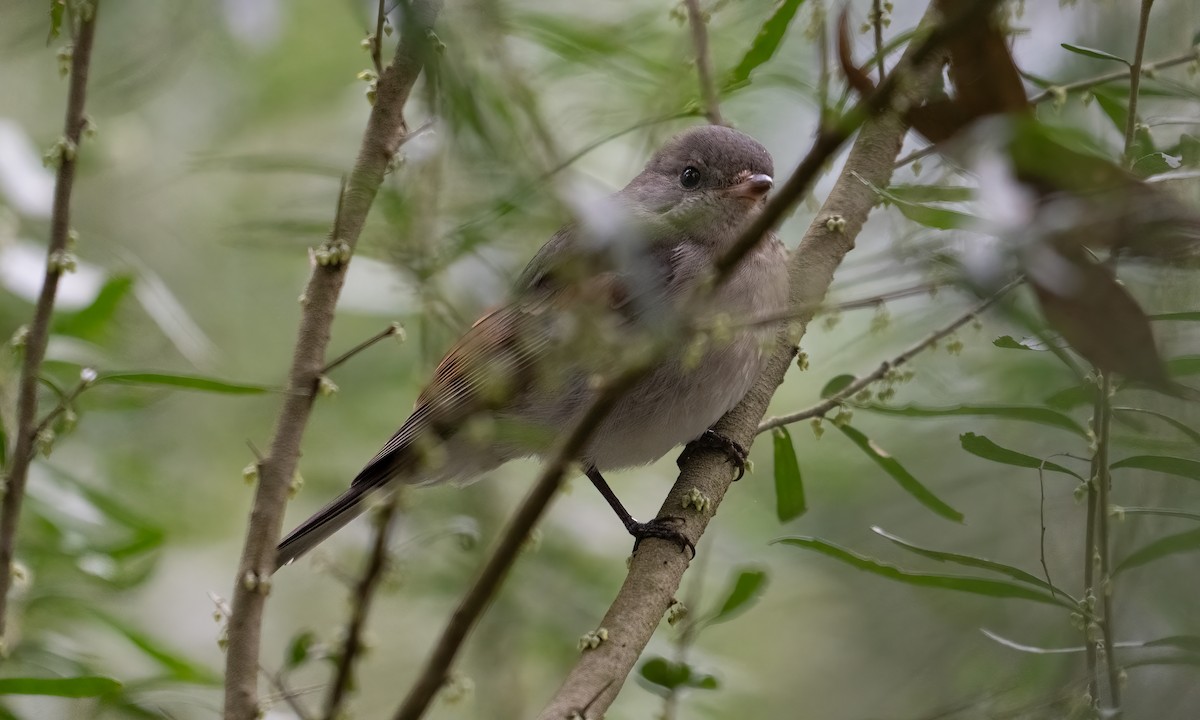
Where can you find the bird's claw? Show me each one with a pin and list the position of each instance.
(733, 451)
(660, 528)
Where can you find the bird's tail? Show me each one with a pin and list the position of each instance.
(325, 522)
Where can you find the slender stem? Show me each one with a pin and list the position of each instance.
(1135, 79)
(377, 39)
(364, 593)
(1091, 642)
(823, 407)
(1105, 596)
(385, 129)
(389, 331)
(708, 89)
(473, 603)
(25, 445)
(877, 22)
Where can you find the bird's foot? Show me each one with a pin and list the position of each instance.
(661, 528)
(733, 451)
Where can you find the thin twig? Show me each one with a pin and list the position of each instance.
(377, 39)
(708, 88)
(433, 674)
(25, 445)
(393, 329)
(385, 129)
(656, 570)
(1135, 79)
(1103, 548)
(1090, 636)
(364, 593)
(877, 22)
(859, 384)
(64, 403)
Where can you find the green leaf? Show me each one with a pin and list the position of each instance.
(957, 583)
(1071, 397)
(1163, 547)
(93, 321)
(747, 587)
(900, 475)
(922, 214)
(930, 193)
(1008, 342)
(1117, 110)
(976, 562)
(1177, 316)
(664, 677)
(76, 687)
(1155, 163)
(1182, 642)
(186, 382)
(1161, 463)
(836, 385)
(1093, 53)
(768, 40)
(178, 667)
(56, 19)
(1164, 512)
(298, 649)
(3, 445)
(1184, 365)
(1181, 427)
(982, 446)
(1028, 413)
(789, 487)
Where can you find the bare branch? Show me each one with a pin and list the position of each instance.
(823, 407)
(384, 132)
(877, 23)
(389, 331)
(25, 445)
(708, 89)
(656, 570)
(1135, 79)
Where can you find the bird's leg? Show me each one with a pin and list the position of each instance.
(733, 451)
(656, 528)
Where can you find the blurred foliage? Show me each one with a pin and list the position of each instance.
(223, 130)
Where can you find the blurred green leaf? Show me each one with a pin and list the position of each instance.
(1093, 53)
(747, 587)
(57, 7)
(958, 583)
(186, 382)
(900, 475)
(1071, 397)
(1183, 642)
(789, 487)
(73, 687)
(923, 214)
(3, 444)
(1028, 413)
(93, 321)
(768, 40)
(836, 385)
(930, 193)
(298, 649)
(1164, 512)
(1161, 463)
(1180, 426)
(1117, 110)
(1177, 316)
(982, 446)
(1008, 342)
(179, 668)
(663, 676)
(1163, 547)
(1155, 163)
(976, 562)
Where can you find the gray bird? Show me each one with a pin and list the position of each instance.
(588, 299)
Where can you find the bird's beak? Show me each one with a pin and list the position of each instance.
(752, 187)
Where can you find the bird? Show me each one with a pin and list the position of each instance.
(594, 294)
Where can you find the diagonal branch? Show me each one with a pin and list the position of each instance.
(655, 572)
(708, 89)
(384, 132)
(57, 262)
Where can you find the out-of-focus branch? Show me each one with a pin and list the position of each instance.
(704, 71)
(384, 132)
(859, 384)
(57, 262)
(364, 593)
(656, 570)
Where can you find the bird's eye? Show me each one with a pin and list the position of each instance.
(689, 178)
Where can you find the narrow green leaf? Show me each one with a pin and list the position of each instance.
(1180, 426)
(1192, 660)
(928, 215)
(930, 193)
(1071, 397)
(57, 7)
(836, 385)
(975, 562)
(1183, 642)
(747, 587)
(298, 649)
(1117, 110)
(1093, 53)
(1028, 413)
(186, 382)
(1184, 365)
(178, 667)
(665, 676)
(3, 445)
(75, 687)
(789, 487)
(1163, 547)
(93, 321)
(1164, 512)
(1161, 463)
(982, 446)
(768, 40)
(1176, 316)
(957, 583)
(900, 475)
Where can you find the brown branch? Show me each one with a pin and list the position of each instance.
(385, 129)
(364, 593)
(377, 39)
(859, 384)
(655, 572)
(25, 445)
(877, 22)
(704, 71)
(1135, 79)
(433, 674)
